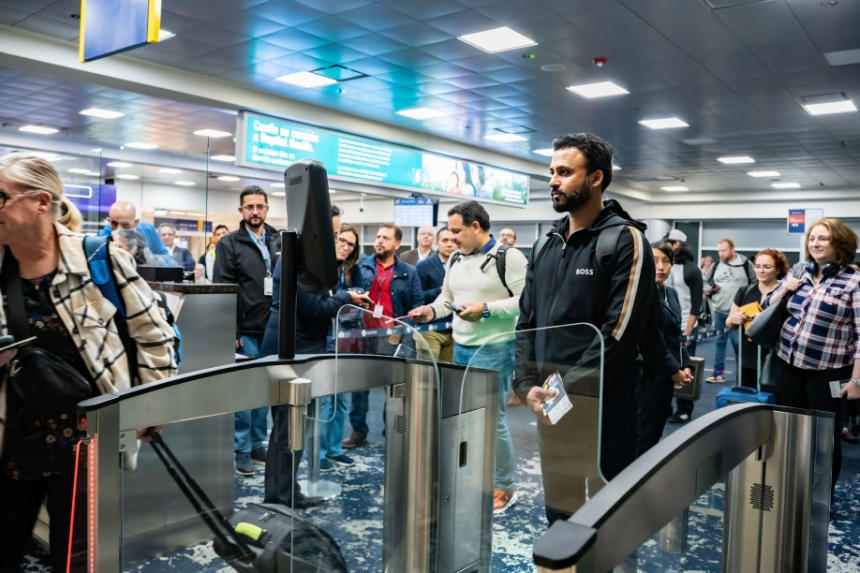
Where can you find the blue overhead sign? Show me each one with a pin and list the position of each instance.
(112, 26)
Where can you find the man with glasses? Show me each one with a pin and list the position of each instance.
(247, 257)
(123, 215)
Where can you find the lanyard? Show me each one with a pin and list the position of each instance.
(261, 244)
(381, 283)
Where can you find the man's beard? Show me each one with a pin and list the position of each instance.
(255, 225)
(384, 254)
(580, 196)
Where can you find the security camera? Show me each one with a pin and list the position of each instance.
(361, 204)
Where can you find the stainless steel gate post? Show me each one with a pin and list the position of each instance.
(314, 487)
(778, 499)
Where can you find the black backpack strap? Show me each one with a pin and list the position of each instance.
(607, 248)
(454, 258)
(501, 266)
(538, 248)
(17, 322)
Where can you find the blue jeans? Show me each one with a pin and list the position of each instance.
(251, 425)
(720, 355)
(495, 357)
(331, 433)
(361, 400)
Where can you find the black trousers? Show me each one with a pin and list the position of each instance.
(810, 389)
(686, 406)
(19, 507)
(282, 464)
(655, 407)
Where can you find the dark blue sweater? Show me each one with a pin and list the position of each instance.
(431, 273)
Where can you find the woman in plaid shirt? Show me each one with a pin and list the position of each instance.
(820, 341)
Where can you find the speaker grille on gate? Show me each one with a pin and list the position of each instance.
(295, 180)
(761, 497)
(400, 424)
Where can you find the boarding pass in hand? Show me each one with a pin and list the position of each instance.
(555, 408)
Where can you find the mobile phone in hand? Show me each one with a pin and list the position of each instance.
(10, 346)
(454, 307)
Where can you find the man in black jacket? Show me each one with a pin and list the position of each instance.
(247, 257)
(566, 284)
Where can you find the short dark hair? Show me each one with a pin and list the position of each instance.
(666, 249)
(252, 190)
(598, 153)
(683, 254)
(219, 227)
(440, 231)
(471, 211)
(398, 232)
(335, 211)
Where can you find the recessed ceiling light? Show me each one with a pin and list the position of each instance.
(141, 145)
(505, 137)
(280, 185)
(664, 123)
(185, 183)
(843, 106)
(676, 188)
(102, 113)
(763, 173)
(46, 155)
(119, 164)
(127, 176)
(330, 191)
(164, 34)
(161, 212)
(228, 178)
(600, 89)
(735, 159)
(78, 170)
(170, 170)
(616, 167)
(40, 129)
(223, 158)
(278, 193)
(785, 185)
(194, 214)
(213, 133)
(93, 173)
(498, 40)
(421, 113)
(545, 152)
(307, 80)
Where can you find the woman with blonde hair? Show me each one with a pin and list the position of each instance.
(818, 342)
(49, 295)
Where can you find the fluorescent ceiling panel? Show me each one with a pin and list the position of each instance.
(226, 158)
(843, 57)
(763, 173)
(844, 106)
(675, 188)
(127, 176)
(102, 113)
(279, 185)
(498, 40)
(141, 145)
(735, 159)
(79, 171)
(212, 133)
(600, 89)
(545, 152)
(505, 137)
(119, 164)
(421, 113)
(786, 185)
(40, 129)
(665, 123)
(170, 170)
(185, 183)
(228, 178)
(306, 80)
(164, 34)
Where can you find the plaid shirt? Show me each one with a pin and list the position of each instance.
(88, 316)
(822, 331)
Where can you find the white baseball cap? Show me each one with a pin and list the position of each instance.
(676, 235)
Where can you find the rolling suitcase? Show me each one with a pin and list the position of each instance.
(262, 538)
(740, 394)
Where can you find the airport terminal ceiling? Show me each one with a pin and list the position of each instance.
(738, 73)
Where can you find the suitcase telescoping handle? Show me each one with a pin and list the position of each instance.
(178, 473)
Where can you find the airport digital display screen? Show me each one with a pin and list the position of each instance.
(270, 143)
(417, 212)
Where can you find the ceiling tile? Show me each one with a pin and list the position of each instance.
(377, 17)
(294, 39)
(463, 22)
(410, 58)
(449, 50)
(333, 29)
(287, 12)
(249, 24)
(335, 6)
(214, 36)
(514, 12)
(443, 71)
(204, 10)
(374, 44)
(425, 9)
(417, 34)
(337, 53)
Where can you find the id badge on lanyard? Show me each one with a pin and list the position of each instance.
(268, 286)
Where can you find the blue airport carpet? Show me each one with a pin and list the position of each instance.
(355, 518)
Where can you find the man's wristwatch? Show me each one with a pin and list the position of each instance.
(486, 311)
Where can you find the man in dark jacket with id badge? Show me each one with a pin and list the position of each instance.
(247, 257)
(567, 283)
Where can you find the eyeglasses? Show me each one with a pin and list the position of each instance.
(252, 208)
(344, 243)
(764, 267)
(5, 194)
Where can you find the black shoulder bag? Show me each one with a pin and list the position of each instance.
(37, 377)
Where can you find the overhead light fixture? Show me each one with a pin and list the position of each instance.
(735, 159)
(675, 188)
(763, 173)
(127, 176)
(176, 212)
(307, 80)
(79, 171)
(102, 113)
(212, 133)
(505, 137)
(93, 173)
(193, 214)
(161, 212)
(664, 123)
(223, 158)
(164, 34)
(785, 185)
(119, 164)
(170, 170)
(421, 113)
(40, 129)
(141, 145)
(279, 185)
(185, 183)
(844, 106)
(498, 40)
(228, 178)
(47, 155)
(600, 89)
(545, 152)
(616, 167)
(278, 193)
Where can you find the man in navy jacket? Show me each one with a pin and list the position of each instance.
(431, 272)
(394, 290)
